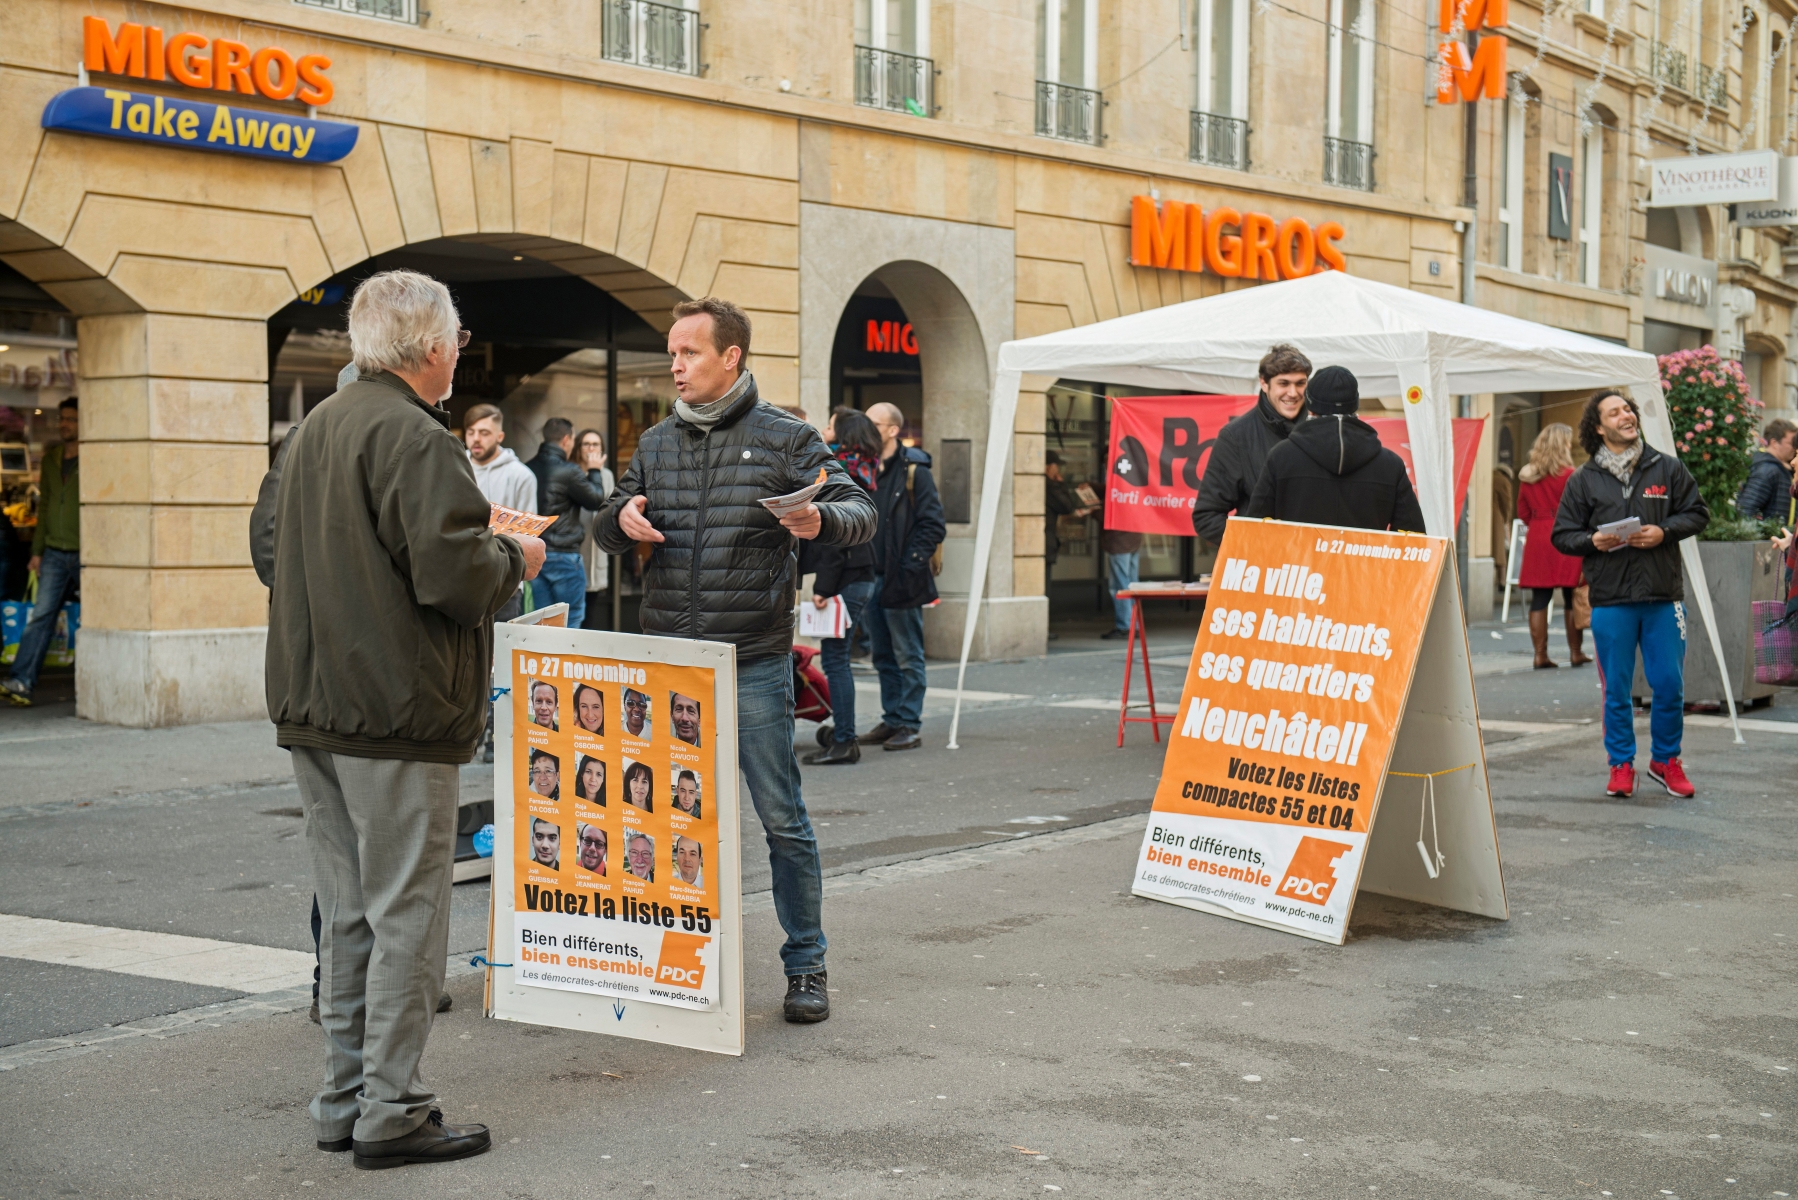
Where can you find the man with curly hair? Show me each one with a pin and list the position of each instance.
(1637, 586)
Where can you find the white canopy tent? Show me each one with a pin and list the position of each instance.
(1397, 343)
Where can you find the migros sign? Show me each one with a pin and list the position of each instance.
(1229, 242)
(219, 64)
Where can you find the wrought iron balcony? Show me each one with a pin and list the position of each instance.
(403, 11)
(1348, 164)
(1219, 141)
(647, 34)
(1667, 64)
(900, 82)
(1713, 85)
(1070, 113)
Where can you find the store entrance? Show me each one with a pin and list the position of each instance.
(875, 358)
(546, 344)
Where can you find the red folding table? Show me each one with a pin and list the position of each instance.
(1139, 637)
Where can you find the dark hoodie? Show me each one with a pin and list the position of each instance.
(1237, 458)
(1333, 471)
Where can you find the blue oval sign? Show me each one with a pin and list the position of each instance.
(147, 117)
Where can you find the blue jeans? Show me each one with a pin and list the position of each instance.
(563, 580)
(1660, 630)
(1121, 570)
(896, 637)
(770, 768)
(56, 578)
(834, 657)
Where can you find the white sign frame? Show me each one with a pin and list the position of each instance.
(1782, 210)
(1713, 179)
(720, 1031)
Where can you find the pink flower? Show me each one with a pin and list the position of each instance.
(1730, 419)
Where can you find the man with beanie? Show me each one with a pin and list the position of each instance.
(1240, 451)
(1332, 469)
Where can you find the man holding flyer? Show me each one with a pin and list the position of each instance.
(1623, 514)
(720, 491)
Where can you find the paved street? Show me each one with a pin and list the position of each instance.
(1008, 1021)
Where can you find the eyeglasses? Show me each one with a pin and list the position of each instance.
(462, 338)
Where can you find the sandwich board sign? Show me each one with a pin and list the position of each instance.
(1328, 738)
(617, 889)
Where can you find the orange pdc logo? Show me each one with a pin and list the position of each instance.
(679, 963)
(1311, 875)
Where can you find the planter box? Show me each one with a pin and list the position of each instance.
(1738, 573)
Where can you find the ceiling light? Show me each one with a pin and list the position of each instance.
(518, 258)
(5, 348)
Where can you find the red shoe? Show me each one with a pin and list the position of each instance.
(1623, 781)
(1672, 776)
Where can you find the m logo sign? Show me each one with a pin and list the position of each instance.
(1311, 876)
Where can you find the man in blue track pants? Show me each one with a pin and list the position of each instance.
(1637, 586)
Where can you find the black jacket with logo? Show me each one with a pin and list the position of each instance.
(1334, 471)
(563, 489)
(1238, 456)
(725, 571)
(1660, 492)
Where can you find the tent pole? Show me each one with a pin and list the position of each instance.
(999, 424)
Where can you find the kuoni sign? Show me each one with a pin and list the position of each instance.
(1229, 242)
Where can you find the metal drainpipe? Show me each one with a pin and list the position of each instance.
(1470, 198)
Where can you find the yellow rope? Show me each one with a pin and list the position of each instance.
(1430, 774)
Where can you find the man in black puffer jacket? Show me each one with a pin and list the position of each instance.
(722, 568)
(1239, 454)
(1765, 495)
(563, 489)
(1333, 469)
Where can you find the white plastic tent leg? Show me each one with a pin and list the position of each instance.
(1430, 431)
(998, 456)
(1658, 431)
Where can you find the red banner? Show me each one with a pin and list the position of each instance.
(1161, 445)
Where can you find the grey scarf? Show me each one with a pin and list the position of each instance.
(1621, 465)
(708, 415)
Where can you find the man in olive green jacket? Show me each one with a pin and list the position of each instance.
(384, 581)
(55, 552)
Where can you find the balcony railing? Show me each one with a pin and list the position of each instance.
(647, 34)
(1667, 64)
(1068, 112)
(403, 11)
(1712, 87)
(1219, 141)
(1348, 164)
(900, 82)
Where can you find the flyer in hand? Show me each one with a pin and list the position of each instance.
(510, 520)
(784, 506)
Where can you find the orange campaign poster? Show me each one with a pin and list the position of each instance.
(1328, 660)
(615, 828)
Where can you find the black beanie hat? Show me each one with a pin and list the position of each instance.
(1333, 392)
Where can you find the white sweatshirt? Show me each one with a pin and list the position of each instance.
(504, 480)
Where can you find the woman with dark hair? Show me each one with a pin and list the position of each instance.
(590, 780)
(590, 456)
(639, 785)
(847, 573)
(589, 708)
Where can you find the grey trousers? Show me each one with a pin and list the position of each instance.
(382, 835)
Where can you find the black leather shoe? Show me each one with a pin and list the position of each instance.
(1110, 634)
(808, 998)
(905, 739)
(432, 1142)
(840, 754)
(443, 1002)
(336, 1146)
(878, 734)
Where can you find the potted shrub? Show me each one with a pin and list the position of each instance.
(1715, 426)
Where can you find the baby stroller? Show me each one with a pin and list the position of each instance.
(811, 691)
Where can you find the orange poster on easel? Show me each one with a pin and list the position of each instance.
(1331, 663)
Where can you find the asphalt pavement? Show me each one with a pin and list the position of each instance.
(1007, 1019)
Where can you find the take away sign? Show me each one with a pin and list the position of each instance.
(1161, 445)
(1327, 740)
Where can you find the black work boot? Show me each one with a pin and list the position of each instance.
(808, 998)
(432, 1142)
(838, 754)
(878, 734)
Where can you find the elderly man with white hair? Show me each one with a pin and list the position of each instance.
(372, 536)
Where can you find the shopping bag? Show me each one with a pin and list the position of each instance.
(16, 614)
(1582, 607)
(831, 621)
(62, 642)
(1775, 644)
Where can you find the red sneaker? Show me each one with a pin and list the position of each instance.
(1623, 781)
(1672, 776)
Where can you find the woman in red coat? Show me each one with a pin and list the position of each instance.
(1544, 568)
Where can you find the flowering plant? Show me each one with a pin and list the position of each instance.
(1714, 423)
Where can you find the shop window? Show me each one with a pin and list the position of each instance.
(1348, 115)
(403, 11)
(1510, 210)
(1591, 205)
(1068, 106)
(893, 69)
(1220, 127)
